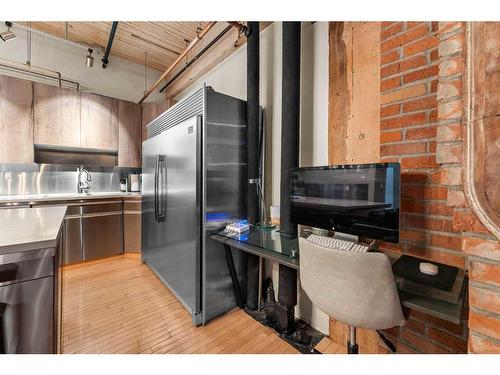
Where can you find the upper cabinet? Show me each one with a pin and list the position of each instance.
(99, 122)
(129, 134)
(16, 120)
(150, 111)
(56, 116)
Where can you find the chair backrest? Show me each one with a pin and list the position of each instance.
(352, 287)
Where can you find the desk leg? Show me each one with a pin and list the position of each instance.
(234, 276)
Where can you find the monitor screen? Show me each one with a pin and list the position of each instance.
(361, 199)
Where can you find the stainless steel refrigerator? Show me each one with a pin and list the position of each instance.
(194, 173)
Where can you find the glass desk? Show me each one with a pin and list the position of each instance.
(269, 244)
(285, 250)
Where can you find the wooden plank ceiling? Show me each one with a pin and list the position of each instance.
(162, 41)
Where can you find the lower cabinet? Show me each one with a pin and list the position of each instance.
(102, 235)
(132, 226)
(72, 252)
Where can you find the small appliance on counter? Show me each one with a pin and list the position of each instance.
(123, 185)
(134, 182)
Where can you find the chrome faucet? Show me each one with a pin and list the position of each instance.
(83, 186)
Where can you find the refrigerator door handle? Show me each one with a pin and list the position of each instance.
(162, 181)
(157, 162)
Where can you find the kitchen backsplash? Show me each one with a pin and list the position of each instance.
(23, 179)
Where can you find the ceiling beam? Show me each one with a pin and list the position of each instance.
(226, 46)
(179, 59)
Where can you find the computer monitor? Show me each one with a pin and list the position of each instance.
(361, 199)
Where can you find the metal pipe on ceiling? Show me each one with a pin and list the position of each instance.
(179, 59)
(193, 60)
(105, 59)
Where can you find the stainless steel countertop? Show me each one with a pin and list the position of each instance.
(24, 229)
(65, 197)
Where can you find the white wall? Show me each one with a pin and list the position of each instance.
(121, 79)
(229, 77)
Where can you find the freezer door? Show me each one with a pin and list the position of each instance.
(171, 242)
(153, 238)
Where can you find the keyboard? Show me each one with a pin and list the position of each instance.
(335, 243)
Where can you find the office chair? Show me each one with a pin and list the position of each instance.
(356, 288)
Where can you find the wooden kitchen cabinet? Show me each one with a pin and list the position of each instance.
(56, 113)
(150, 111)
(16, 120)
(129, 134)
(99, 122)
(132, 225)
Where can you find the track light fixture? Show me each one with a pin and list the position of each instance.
(90, 59)
(9, 34)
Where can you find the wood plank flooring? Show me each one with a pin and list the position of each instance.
(118, 305)
(327, 346)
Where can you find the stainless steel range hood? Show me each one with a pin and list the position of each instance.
(49, 154)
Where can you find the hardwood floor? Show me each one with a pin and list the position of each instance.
(118, 305)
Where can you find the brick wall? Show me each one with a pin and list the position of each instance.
(422, 127)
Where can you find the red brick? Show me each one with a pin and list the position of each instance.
(488, 273)
(421, 45)
(431, 147)
(403, 121)
(434, 55)
(404, 38)
(456, 344)
(446, 242)
(449, 90)
(386, 137)
(422, 133)
(451, 66)
(424, 345)
(481, 248)
(487, 325)
(466, 221)
(424, 192)
(433, 115)
(389, 57)
(434, 85)
(419, 162)
(439, 208)
(390, 110)
(451, 46)
(390, 83)
(484, 299)
(426, 102)
(389, 70)
(402, 66)
(481, 345)
(402, 148)
(413, 236)
(387, 246)
(402, 348)
(451, 110)
(412, 206)
(412, 24)
(414, 178)
(417, 221)
(434, 26)
(394, 331)
(417, 75)
(391, 30)
(438, 177)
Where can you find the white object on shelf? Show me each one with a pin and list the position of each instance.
(429, 269)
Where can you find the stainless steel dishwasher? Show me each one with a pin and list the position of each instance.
(27, 302)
